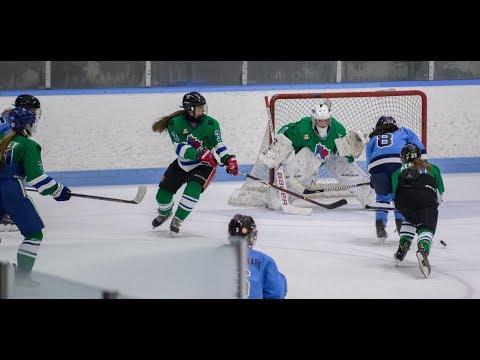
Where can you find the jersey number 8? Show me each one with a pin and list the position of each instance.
(384, 140)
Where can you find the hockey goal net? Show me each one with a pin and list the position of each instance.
(355, 110)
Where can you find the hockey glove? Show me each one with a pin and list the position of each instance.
(62, 193)
(232, 166)
(207, 158)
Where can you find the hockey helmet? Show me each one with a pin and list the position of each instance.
(242, 226)
(409, 153)
(384, 120)
(22, 121)
(27, 101)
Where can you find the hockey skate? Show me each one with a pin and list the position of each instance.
(175, 226)
(402, 251)
(423, 262)
(24, 279)
(398, 224)
(7, 225)
(381, 231)
(160, 219)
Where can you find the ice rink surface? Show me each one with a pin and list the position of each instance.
(330, 254)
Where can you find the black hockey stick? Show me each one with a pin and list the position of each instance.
(387, 208)
(142, 189)
(326, 206)
(334, 188)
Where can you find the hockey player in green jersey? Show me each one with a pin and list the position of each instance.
(417, 188)
(20, 160)
(313, 141)
(194, 135)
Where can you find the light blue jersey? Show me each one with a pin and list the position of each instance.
(265, 281)
(385, 148)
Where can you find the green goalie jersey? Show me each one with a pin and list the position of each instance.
(23, 160)
(303, 134)
(189, 141)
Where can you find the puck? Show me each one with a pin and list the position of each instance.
(443, 243)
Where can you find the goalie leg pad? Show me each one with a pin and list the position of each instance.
(349, 174)
(301, 170)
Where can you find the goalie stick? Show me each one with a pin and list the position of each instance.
(326, 206)
(334, 188)
(142, 189)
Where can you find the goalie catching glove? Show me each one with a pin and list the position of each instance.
(351, 144)
(277, 152)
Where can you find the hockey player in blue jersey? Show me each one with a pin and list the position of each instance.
(265, 281)
(383, 159)
(29, 102)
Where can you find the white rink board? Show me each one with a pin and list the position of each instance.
(113, 131)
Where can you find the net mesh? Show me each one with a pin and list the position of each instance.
(355, 110)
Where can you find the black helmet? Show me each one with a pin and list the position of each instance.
(410, 152)
(27, 101)
(384, 120)
(240, 226)
(192, 99)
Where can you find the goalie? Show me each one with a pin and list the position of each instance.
(313, 141)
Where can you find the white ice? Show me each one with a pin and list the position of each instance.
(330, 254)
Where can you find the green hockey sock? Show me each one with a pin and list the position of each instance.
(189, 199)
(165, 201)
(405, 242)
(425, 237)
(27, 251)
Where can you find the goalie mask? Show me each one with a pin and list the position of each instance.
(242, 226)
(321, 119)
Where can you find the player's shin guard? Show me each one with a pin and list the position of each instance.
(27, 252)
(165, 201)
(407, 234)
(425, 237)
(189, 199)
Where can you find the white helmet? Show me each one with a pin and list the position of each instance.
(321, 112)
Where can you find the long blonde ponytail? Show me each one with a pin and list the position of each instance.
(161, 124)
(421, 163)
(7, 139)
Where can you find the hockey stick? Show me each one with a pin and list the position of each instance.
(142, 189)
(334, 188)
(326, 206)
(369, 207)
(279, 174)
